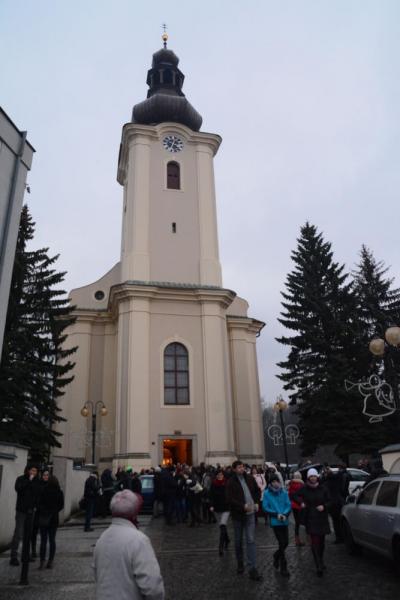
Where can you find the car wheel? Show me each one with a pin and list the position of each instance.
(396, 552)
(351, 546)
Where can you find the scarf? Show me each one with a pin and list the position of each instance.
(312, 485)
(219, 482)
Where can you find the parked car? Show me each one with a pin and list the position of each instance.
(372, 520)
(147, 482)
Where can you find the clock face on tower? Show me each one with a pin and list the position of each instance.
(172, 143)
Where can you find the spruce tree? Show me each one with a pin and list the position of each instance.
(378, 305)
(319, 308)
(34, 365)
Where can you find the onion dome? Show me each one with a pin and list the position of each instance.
(165, 99)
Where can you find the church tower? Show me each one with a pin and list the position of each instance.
(164, 349)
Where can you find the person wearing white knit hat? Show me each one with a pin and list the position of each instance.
(314, 499)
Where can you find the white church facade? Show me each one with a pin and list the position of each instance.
(166, 355)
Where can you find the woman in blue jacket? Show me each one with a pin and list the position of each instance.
(276, 504)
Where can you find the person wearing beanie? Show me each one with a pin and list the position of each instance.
(277, 504)
(294, 486)
(314, 499)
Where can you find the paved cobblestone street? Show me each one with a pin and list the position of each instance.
(193, 570)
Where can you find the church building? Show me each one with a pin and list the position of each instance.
(166, 367)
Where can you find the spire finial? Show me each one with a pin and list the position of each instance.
(164, 36)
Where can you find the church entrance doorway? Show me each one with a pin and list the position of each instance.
(177, 450)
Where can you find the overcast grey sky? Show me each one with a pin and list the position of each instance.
(305, 94)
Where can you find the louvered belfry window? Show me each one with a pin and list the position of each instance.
(176, 374)
(173, 176)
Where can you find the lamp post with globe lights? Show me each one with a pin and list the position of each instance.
(280, 406)
(85, 413)
(388, 349)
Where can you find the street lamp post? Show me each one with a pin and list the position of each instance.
(85, 413)
(280, 406)
(388, 349)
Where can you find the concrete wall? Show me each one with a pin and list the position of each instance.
(72, 482)
(15, 161)
(13, 461)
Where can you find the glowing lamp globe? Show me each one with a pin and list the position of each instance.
(377, 347)
(84, 412)
(392, 336)
(103, 411)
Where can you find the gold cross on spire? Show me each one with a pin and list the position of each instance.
(164, 36)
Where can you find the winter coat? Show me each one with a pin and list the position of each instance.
(276, 502)
(50, 503)
(28, 493)
(235, 495)
(218, 496)
(316, 522)
(180, 486)
(158, 486)
(294, 486)
(91, 487)
(125, 565)
(334, 484)
(170, 485)
(107, 481)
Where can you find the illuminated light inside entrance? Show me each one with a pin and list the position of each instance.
(177, 451)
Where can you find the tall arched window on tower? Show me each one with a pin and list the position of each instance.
(173, 176)
(176, 374)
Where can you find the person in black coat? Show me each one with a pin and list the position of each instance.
(194, 491)
(333, 482)
(108, 484)
(158, 492)
(27, 487)
(243, 497)
(219, 505)
(91, 492)
(314, 499)
(50, 503)
(170, 486)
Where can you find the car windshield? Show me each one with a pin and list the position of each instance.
(147, 483)
(358, 475)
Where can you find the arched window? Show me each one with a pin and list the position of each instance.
(176, 374)
(173, 176)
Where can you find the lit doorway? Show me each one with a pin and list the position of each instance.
(177, 450)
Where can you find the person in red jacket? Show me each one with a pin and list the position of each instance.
(295, 484)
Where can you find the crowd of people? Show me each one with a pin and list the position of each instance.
(247, 494)
(197, 496)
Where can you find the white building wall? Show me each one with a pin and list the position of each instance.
(15, 161)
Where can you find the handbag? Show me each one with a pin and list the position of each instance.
(198, 488)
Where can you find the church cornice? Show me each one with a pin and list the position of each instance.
(247, 323)
(181, 292)
(88, 315)
(132, 131)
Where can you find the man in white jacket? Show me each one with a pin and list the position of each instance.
(124, 561)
